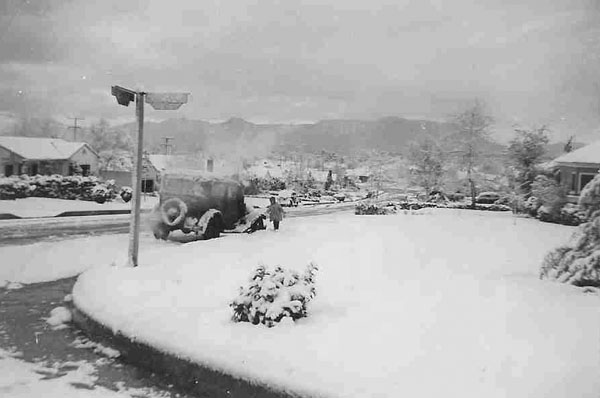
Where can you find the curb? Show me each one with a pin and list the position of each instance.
(10, 216)
(188, 376)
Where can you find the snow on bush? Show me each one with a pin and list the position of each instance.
(549, 193)
(589, 198)
(393, 207)
(126, 194)
(57, 186)
(273, 295)
(578, 262)
(373, 209)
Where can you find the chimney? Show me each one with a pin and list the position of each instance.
(209, 165)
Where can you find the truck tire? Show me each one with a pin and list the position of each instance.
(167, 209)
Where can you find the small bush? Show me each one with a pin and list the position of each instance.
(273, 295)
(551, 197)
(374, 209)
(126, 194)
(572, 214)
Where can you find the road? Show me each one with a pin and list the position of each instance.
(24, 231)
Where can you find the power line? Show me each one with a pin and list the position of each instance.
(75, 126)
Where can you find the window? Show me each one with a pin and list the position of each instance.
(34, 169)
(85, 169)
(9, 170)
(584, 178)
(574, 182)
(147, 185)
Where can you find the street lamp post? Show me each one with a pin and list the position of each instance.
(158, 101)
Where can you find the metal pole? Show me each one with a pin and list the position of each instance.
(134, 226)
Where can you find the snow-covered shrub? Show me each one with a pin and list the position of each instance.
(551, 195)
(100, 194)
(589, 198)
(374, 209)
(571, 214)
(577, 263)
(273, 295)
(126, 194)
(57, 186)
(15, 187)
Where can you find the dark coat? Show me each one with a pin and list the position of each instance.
(275, 212)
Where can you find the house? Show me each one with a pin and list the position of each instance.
(575, 169)
(362, 174)
(197, 162)
(120, 170)
(29, 155)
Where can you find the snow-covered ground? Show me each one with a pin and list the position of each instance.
(48, 207)
(52, 260)
(426, 304)
(19, 379)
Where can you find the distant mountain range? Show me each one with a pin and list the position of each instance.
(390, 134)
(238, 137)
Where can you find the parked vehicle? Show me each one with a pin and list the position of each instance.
(287, 198)
(487, 197)
(191, 202)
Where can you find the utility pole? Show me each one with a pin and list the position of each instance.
(75, 126)
(168, 147)
(158, 101)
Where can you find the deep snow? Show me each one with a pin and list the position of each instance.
(426, 304)
(52, 260)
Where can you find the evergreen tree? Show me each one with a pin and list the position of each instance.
(329, 181)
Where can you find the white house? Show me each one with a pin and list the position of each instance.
(31, 155)
(575, 169)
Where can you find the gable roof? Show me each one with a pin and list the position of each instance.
(587, 154)
(34, 148)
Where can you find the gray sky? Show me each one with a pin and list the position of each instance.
(531, 61)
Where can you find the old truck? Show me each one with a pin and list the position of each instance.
(206, 206)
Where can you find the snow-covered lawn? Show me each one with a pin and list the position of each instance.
(440, 303)
(48, 207)
(52, 260)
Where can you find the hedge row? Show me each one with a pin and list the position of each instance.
(57, 186)
(392, 207)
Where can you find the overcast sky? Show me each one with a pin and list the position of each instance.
(531, 61)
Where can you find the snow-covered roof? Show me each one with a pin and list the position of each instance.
(196, 162)
(261, 170)
(359, 171)
(42, 148)
(587, 154)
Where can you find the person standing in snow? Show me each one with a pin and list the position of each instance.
(275, 212)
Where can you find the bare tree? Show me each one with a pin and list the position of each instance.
(472, 128)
